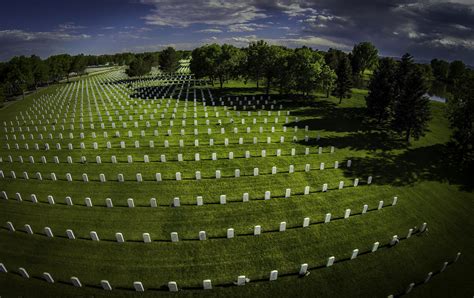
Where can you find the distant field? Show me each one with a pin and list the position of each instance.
(428, 186)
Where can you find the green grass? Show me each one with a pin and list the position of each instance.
(424, 176)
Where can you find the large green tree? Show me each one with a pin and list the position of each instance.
(343, 81)
(382, 87)
(364, 56)
(138, 67)
(327, 79)
(168, 60)
(40, 71)
(228, 62)
(412, 109)
(461, 117)
(255, 57)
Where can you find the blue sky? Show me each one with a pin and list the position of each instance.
(425, 28)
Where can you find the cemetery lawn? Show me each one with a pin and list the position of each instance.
(425, 178)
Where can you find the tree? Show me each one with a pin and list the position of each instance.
(456, 73)
(305, 68)
(333, 57)
(272, 55)
(412, 109)
(20, 74)
(461, 117)
(364, 56)
(343, 81)
(255, 57)
(138, 67)
(40, 71)
(381, 95)
(228, 61)
(78, 64)
(440, 70)
(168, 60)
(328, 79)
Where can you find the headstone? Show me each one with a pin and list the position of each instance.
(153, 203)
(206, 284)
(131, 203)
(230, 233)
(355, 252)
(267, 195)
(369, 180)
(288, 193)
(119, 237)
(327, 218)
(245, 197)
(50, 200)
(178, 176)
(176, 202)
(223, 199)
(70, 234)
(88, 202)
(306, 222)
(94, 236)
(138, 286)
(174, 237)
(365, 208)
(321, 166)
(428, 277)
(303, 269)
(273, 275)
(23, 272)
(106, 285)
(257, 230)
(48, 232)
(356, 182)
(173, 286)
(341, 184)
(347, 213)
(146, 238)
(330, 261)
(349, 163)
(410, 288)
(76, 282)
(28, 229)
(241, 280)
(10, 226)
(325, 187)
(375, 246)
(202, 235)
(394, 202)
(48, 277)
(423, 227)
(282, 226)
(380, 205)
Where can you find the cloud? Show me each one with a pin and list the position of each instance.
(246, 27)
(69, 26)
(211, 30)
(25, 36)
(181, 13)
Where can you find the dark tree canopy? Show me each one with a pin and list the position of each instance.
(138, 67)
(169, 60)
(381, 97)
(343, 81)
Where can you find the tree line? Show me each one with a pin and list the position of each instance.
(22, 73)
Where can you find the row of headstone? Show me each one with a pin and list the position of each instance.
(202, 235)
(147, 159)
(176, 200)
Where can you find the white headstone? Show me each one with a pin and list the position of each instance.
(174, 237)
(273, 275)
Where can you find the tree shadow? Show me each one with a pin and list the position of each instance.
(329, 118)
(372, 140)
(431, 163)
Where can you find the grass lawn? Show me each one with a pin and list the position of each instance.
(425, 178)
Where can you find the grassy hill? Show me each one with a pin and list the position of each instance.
(425, 178)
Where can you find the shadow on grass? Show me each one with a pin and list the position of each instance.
(373, 140)
(431, 163)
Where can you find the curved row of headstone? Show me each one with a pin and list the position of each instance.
(176, 202)
(178, 175)
(151, 144)
(304, 270)
(202, 235)
(428, 277)
(163, 157)
(55, 124)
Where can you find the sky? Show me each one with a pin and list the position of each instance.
(424, 28)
